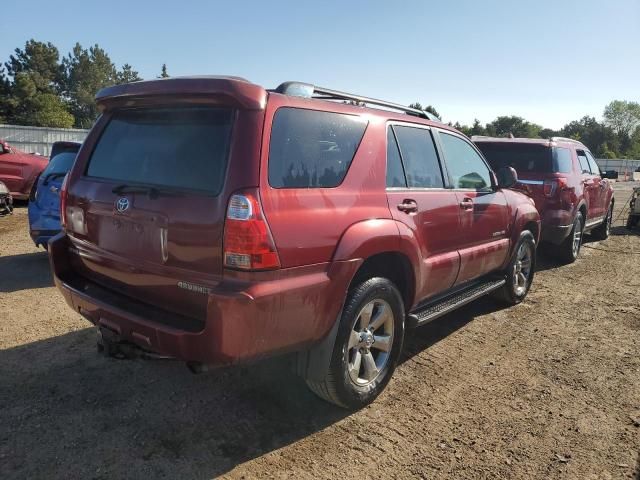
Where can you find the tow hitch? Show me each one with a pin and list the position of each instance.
(110, 344)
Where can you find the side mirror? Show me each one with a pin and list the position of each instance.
(611, 174)
(507, 177)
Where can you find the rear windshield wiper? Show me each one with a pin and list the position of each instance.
(153, 192)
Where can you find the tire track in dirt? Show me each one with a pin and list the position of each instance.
(548, 389)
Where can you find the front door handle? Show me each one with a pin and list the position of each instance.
(466, 204)
(408, 206)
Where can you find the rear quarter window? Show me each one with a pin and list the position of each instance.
(312, 149)
(179, 147)
(562, 160)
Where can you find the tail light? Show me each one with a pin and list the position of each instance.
(553, 185)
(63, 202)
(248, 244)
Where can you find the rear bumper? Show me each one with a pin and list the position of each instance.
(289, 310)
(42, 237)
(555, 234)
(43, 225)
(556, 224)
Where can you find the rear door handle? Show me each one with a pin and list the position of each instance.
(466, 204)
(408, 206)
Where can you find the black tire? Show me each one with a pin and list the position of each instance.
(602, 231)
(513, 292)
(567, 251)
(632, 221)
(338, 386)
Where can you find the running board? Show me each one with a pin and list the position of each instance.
(450, 303)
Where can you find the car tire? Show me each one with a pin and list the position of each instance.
(519, 274)
(570, 249)
(602, 232)
(361, 364)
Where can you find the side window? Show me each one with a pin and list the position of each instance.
(562, 160)
(395, 172)
(312, 149)
(593, 164)
(584, 163)
(419, 157)
(466, 167)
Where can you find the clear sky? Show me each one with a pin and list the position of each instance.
(548, 61)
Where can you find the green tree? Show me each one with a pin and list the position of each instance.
(127, 75)
(429, 108)
(634, 150)
(5, 90)
(466, 129)
(513, 125)
(30, 89)
(547, 133)
(87, 71)
(163, 73)
(29, 106)
(598, 137)
(41, 62)
(623, 116)
(49, 111)
(477, 128)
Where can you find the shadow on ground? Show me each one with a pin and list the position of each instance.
(67, 412)
(623, 230)
(24, 271)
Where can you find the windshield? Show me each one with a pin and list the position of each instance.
(60, 164)
(180, 147)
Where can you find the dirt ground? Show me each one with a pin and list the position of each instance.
(548, 389)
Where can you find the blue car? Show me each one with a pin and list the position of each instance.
(44, 200)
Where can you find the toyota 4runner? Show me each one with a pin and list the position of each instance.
(213, 221)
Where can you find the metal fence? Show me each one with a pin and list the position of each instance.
(39, 139)
(624, 167)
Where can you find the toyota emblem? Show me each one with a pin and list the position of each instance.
(122, 204)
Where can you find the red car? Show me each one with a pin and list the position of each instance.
(569, 189)
(19, 170)
(213, 221)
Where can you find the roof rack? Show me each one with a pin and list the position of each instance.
(565, 139)
(480, 137)
(306, 90)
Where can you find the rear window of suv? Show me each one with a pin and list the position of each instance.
(181, 147)
(527, 158)
(312, 149)
(61, 163)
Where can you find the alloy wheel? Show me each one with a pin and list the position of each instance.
(370, 342)
(577, 237)
(522, 269)
(609, 220)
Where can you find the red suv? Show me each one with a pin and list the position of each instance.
(569, 189)
(213, 221)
